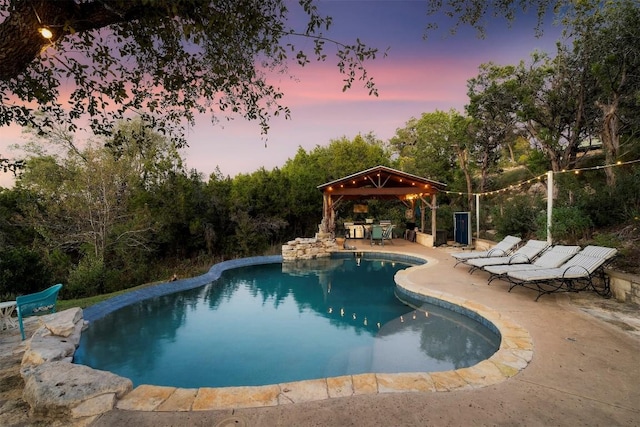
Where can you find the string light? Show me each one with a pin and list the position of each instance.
(540, 178)
(45, 32)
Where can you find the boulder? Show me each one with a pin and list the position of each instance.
(46, 346)
(62, 324)
(66, 391)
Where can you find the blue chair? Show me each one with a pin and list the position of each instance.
(42, 302)
(376, 234)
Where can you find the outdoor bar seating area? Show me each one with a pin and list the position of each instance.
(362, 229)
(543, 268)
(376, 231)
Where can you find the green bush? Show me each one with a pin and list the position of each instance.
(510, 176)
(516, 216)
(604, 205)
(537, 162)
(22, 272)
(569, 224)
(86, 279)
(612, 206)
(609, 240)
(444, 219)
(59, 263)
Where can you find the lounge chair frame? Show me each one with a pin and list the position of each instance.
(574, 278)
(557, 255)
(601, 285)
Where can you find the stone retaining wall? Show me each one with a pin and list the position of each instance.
(308, 248)
(625, 287)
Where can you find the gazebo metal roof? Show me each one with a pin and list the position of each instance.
(381, 182)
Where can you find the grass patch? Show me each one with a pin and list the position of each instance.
(188, 268)
(89, 301)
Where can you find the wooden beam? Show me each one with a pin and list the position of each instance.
(384, 191)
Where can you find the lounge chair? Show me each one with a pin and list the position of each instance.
(553, 257)
(523, 255)
(42, 302)
(573, 276)
(502, 248)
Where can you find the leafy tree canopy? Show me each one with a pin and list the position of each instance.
(476, 13)
(165, 60)
(168, 60)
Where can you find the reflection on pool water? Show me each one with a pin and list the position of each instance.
(275, 323)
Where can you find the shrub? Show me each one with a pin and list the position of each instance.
(609, 240)
(444, 219)
(59, 263)
(516, 216)
(86, 279)
(605, 206)
(568, 224)
(537, 162)
(22, 272)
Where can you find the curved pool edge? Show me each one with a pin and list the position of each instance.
(514, 354)
(516, 345)
(103, 308)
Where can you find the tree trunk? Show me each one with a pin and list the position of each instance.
(609, 134)
(551, 154)
(511, 156)
(463, 159)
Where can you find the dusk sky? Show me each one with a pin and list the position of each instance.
(418, 76)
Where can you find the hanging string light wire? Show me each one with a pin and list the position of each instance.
(540, 178)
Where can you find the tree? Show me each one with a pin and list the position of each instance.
(606, 46)
(164, 60)
(259, 206)
(427, 146)
(492, 98)
(81, 202)
(91, 203)
(549, 99)
(306, 171)
(168, 60)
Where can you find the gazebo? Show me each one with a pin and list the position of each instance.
(379, 182)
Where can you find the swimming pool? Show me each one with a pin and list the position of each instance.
(273, 323)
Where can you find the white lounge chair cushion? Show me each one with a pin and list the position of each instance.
(501, 248)
(551, 258)
(581, 265)
(523, 255)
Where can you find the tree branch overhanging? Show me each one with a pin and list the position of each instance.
(164, 60)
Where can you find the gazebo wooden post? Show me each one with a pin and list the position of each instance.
(324, 225)
(433, 218)
(328, 215)
(331, 222)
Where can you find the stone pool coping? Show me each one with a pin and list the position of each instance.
(514, 354)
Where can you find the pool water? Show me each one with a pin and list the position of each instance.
(275, 323)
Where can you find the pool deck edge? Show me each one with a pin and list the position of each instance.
(514, 354)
